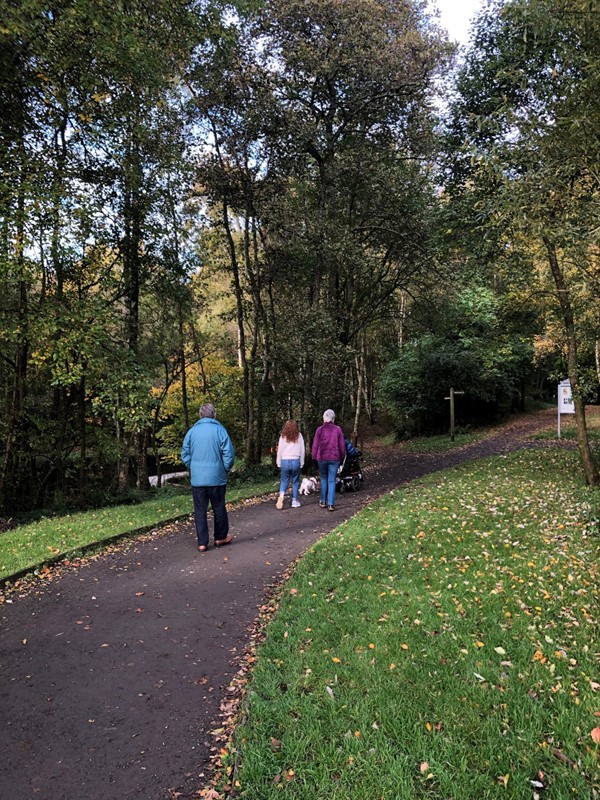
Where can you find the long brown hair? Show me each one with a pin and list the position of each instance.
(290, 431)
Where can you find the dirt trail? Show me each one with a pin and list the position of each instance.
(113, 673)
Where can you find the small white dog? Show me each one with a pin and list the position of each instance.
(308, 485)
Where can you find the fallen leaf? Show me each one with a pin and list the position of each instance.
(595, 734)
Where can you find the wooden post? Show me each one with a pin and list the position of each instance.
(452, 417)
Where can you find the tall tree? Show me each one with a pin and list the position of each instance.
(91, 128)
(528, 144)
(321, 128)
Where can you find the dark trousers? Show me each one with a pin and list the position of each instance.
(216, 495)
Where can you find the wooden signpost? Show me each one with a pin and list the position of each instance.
(451, 398)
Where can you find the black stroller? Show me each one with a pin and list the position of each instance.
(349, 477)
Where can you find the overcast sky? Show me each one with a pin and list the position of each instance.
(456, 16)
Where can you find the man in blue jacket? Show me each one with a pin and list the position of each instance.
(208, 453)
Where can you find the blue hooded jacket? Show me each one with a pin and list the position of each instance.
(208, 453)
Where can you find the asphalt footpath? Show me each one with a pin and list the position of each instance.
(113, 673)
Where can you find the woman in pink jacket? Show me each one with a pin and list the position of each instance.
(329, 450)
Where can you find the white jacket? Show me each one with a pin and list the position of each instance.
(287, 449)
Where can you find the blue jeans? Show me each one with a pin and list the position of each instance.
(216, 495)
(290, 471)
(328, 471)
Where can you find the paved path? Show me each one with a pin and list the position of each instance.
(112, 674)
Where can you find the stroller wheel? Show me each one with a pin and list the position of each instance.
(355, 483)
(341, 487)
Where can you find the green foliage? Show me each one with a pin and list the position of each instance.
(467, 348)
(213, 381)
(525, 163)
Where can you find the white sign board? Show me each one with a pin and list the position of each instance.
(565, 401)
(565, 398)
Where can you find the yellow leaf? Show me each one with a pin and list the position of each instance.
(336, 660)
(428, 725)
(479, 644)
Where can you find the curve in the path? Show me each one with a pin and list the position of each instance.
(112, 674)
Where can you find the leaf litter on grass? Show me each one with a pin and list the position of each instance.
(467, 605)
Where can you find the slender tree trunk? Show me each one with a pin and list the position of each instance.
(250, 398)
(132, 247)
(82, 442)
(239, 302)
(360, 367)
(184, 389)
(142, 439)
(12, 472)
(590, 470)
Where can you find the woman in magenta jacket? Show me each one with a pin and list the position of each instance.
(329, 450)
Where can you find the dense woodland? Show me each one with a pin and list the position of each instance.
(281, 206)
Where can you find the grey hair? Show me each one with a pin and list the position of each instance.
(207, 410)
(329, 415)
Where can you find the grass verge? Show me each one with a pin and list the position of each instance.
(568, 430)
(440, 444)
(441, 644)
(30, 546)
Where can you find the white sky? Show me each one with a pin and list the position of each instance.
(456, 16)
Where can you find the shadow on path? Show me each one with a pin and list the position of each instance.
(113, 672)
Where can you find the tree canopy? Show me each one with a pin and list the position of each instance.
(257, 203)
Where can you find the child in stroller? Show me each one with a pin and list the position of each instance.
(350, 473)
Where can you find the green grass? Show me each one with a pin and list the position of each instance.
(441, 644)
(567, 428)
(439, 444)
(29, 546)
(432, 444)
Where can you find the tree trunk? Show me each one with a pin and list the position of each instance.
(82, 442)
(590, 470)
(184, 391)
(360, 366)
(239, 302)
(11, 471)
(142, 439)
